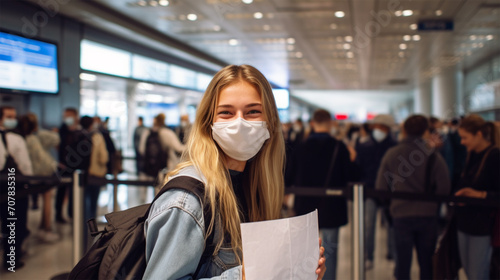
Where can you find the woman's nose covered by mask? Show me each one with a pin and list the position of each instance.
(240, 139)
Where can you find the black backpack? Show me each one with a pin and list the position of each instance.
(9, 162)
(155, 158)
(120, 251)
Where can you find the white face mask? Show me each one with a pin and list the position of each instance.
(240, 139)
(378, 135)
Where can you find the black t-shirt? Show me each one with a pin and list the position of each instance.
(478, 220)
(237, 182)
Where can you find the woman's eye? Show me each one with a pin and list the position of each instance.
(224, 113)
(254, 112)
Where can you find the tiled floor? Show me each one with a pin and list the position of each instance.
(45, 261)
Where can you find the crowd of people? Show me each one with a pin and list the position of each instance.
(458, 157)
(421, 155)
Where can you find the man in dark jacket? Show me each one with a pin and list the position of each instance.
(369, 156)
(310, 168)
(413, 166)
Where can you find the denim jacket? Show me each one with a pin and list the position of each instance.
(175, 239)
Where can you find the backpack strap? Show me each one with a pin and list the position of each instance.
(196, 187)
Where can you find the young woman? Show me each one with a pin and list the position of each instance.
(236, 147)
(480, 179)
(39, 143)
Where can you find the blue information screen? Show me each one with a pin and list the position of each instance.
(28, 64)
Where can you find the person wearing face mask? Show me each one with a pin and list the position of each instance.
(369, 156)
(236, 149)
(183, 129)
(13, 156)
(69, 159)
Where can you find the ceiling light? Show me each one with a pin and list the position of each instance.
(217, 28)
(247, 1)
(489, 37)
(398, 13)
(407, 37)
(153, 3)
(413, 26)
(416, 37)
(258, 15)
(154, 98)
(298, 55)
(333, 26)
(401, 54)
(233, 42)
(403, 46)
(481, 45)
(163, 3)
(192, 17)
(266, 27)
(347, 46)
(88, 77)
(348, 38)
(290, 41)
(350, 54)
(407, 13)
(142, 3)
(439, 12)
(339, 14)
(145, 86)
(472, 37)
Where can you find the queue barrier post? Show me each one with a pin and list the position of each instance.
(78, 223)
(358, 267)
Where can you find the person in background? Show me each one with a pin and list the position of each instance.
(14, 156)
(369, 157)
(414, 167)
(480, 179)
(322, 161)
(296, 133)
(138, 131)
(94, 162)
(237, 147)
(69, 158)
(102, 127)
(43, 165)
(169, 141)
(183, 129)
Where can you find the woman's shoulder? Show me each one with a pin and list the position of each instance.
(177, 200)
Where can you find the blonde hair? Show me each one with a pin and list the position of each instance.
(264, 186)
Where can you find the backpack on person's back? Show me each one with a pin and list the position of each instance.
(120, 251)
(156, 156)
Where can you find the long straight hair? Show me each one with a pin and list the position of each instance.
(264, 188)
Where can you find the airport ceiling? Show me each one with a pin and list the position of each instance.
(315, 45)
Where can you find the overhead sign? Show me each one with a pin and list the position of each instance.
(435, 25)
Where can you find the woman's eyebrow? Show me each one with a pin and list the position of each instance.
(252, 105)
(246, 106)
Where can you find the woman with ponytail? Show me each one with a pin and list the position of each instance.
(236, 149)
(480, 179)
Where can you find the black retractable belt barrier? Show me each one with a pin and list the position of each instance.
(388, 195)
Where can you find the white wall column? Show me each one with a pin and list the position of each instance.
(444, 94)
(131, 113)
(422, 99)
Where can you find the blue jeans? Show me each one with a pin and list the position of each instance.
(475, 255)
(330, 241)
(420, 232)
(370, 222)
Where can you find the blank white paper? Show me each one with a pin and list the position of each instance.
(281, 249)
